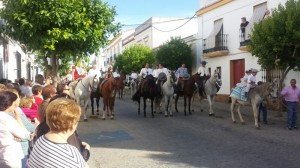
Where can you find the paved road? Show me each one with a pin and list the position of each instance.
(132, 141)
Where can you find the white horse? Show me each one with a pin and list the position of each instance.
(255, 97)
(133, 86)
(211, 90)
(82, 90)
(168, 93)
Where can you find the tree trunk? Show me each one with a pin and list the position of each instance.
(55, 66)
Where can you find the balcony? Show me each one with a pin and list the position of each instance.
(215, 46)
(244, 41)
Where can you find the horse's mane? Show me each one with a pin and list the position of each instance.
(262, 89)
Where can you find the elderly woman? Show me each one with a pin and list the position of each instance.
(52, 149)
(11, 130)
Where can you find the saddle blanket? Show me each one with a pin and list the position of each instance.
(239, 93)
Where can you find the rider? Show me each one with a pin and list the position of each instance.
(180, 73)
(155, 72)
(144, 73)
(78, 71)
(204, 75)
(116, 74)
(251, 82)
(108, 73)
(94, 71)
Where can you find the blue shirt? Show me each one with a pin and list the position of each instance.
(181, 71)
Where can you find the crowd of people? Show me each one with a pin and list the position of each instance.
(38, 126)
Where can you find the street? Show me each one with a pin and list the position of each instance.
(196, 141)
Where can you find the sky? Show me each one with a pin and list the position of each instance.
(131, 13)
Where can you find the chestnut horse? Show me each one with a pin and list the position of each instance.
(147, 90)
(120, 85)
(187, 92)
(108, 93)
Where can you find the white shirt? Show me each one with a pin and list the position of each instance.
(11, 150)
(155, 73)
(25, 90)
(145, 71)
(202, 71)
(134, 75)
(93, 72)
(164, 70)
(116, 75)
(251, 79)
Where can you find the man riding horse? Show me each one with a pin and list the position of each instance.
(182, 74)
(144, 73)
(204, 75)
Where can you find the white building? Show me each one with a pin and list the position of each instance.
(223, 45)
(153, 33)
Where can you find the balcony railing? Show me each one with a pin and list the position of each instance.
(244, 38)
(216, 43)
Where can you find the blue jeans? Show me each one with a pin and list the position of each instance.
(292, 110)
(264, 112)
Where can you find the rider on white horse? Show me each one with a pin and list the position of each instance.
(204, 75)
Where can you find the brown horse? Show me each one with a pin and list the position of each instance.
(187, 91)
(108, 93)
(147, 90)
(120, 85)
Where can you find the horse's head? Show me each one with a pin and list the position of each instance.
(94, 81)
(217, 77)
(172, 76)
(196, 79)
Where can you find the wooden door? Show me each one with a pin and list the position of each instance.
(237, 71)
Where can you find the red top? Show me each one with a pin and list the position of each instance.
(75, 73)
(38, 100)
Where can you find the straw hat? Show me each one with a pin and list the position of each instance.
(254, 70)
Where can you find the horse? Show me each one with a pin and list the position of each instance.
(120, 85)
(168, 93)
(211, 87)
(96, 94)
(133, 84)
(147, 90)
(108, 93)
(81, 89)
(255, 97)
(187, 91)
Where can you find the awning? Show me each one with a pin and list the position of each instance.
(212, 37)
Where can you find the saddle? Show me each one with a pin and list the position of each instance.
(239, 93)
(73, 86)
(100, 88)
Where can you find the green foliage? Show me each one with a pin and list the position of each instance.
(65, 29)
(134, 59)
(175, 52)
(275, 40)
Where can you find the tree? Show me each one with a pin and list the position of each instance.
(60, 29)
(175, 52)
(133, 58)
(275, 41)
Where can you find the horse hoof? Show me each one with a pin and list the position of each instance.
(171, 115)
(257, 128)
(234, 122)
(201, 110)
(112, 118)
(243, 123)
(103, 118)
(160, 112)
(166, 115)
(85, 120)
(193, 110)
(211, 114)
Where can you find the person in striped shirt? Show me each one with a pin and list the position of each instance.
(52, 149)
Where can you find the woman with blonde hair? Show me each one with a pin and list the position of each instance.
(52, 149)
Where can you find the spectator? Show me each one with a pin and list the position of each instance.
(25, 90)
(29, 107)
(243, 26)
(47, 92)
(39, 80)
(52, 149)
(11, 128)
(291, 95)
(263, 108)
(37, 94)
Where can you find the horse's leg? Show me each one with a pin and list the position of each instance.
(92, 104)
(86, 102)
(184, 104)
(97, 102)
(139, 109)
(111, 107)
(176, 100)
(255, 111)
(145, 106)
(189, 99)
(232, 109)
(209, 98)
(170, 105)
(166, 105)
(152, 107)
(104, 108)
(240, 115)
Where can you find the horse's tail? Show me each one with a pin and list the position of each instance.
(136, 96)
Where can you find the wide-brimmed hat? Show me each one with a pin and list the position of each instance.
(249, 70)
(254, 70)
(203, 62)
